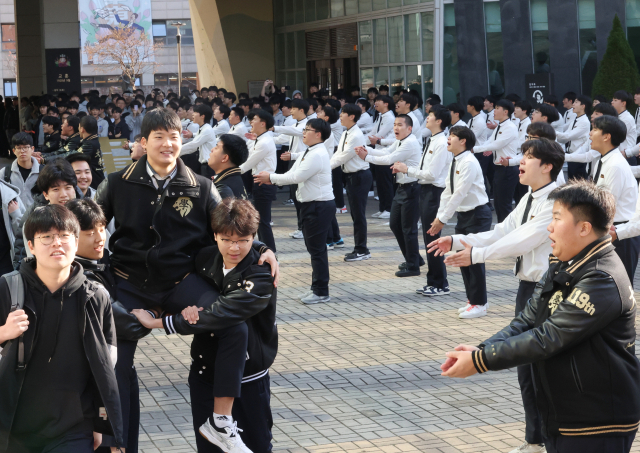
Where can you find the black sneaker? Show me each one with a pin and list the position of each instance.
(357, 256)
(402, 266)
(407, 273)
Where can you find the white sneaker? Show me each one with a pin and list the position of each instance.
(384, 215)
(377, 198)
(227, 438)
(474, 311)
(312, 299)
(370, 194)
(344, 191)
(305, 294)
(342, 210)
(377, 214)
(530, 448)
(297, 234)
(463, 309)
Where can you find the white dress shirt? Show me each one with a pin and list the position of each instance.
(468, 181)
(577, 134)
(222, 128)
(365, 123)
(558, 126)
(238, 129)
(191, 127)
(204, 141)
(478, 124)
(629, 144)
(262, 155)
(416, 129)
(434, 163)
(336, 130)
(632, 227)
(383, 127)
(292, 136)
(503, 141)
(289, 121)
(407, 150)
(615, 174)
(345, 156)
(522, 133)
(312, 174)
(490, 119)
(512, 238)
(568, 118)
(246, 122)
(637, 118)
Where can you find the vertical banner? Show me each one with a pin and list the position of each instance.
(114, 156)
(538, 87)
(63, 70)
(98, 18)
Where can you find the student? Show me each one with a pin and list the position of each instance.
(523, 236)
(185, 113)
(51, 128)
(262, 157)
(161, 210)
(365, 123)
(431, 174)
(82, 168)
(134, 121)
(522, 112)
(569, 115)
(405, 106)
(233, 267)
(70, 140)
(95, 111)
(478, 124)
(235, 121)
(576, 134)
(312, 175)
(118, 128)
(620, 101)
(489, 105)
(225, 159)
(90, 145)
(59, 388)
(11, 213)
(546, 113)
(577, 332)
(502, 143)
(457, 112)
(24, 171)
(405, 206)
(464, 193)
(195, 154)
(382, 129)
(221, 115)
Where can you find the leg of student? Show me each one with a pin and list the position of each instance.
(429, 203)
(410, 213)
(334, 231)
(230, 359)
(384, 181)
(263, 197)
(533, 427)
(358, 185)
(475, 221)
(590, 444)
(315, 227)
(77, 443)
(247, 179)
(336, 181)
(201, 391)
(252, 411)
(395, 221)
(296, 203)
(628, 250)
(504, 182)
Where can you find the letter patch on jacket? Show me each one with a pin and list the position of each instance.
(183, 205)
(555, 301)
(248, 285)
(581, 300)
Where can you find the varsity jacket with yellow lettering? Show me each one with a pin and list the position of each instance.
(578, 331)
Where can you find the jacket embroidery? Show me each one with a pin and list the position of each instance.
(248, 285)
(555, 300)
(183, 205)
(581, 300)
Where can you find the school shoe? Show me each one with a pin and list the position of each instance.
(377, 214)
(407, 273)
(404, 265)
(530, 448)
(384, 215)
(355, 256)
(463, 309)
(342, 210)
(305, 294)
(330, 245)
(315, 299)
(297, 234)
(431, 291)
(226, 438)
(288, 202)
(339, 244)
(474, 311)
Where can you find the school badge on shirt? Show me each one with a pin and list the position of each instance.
(183, 205)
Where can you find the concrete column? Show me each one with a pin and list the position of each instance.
(472, 49)
(29, 48)
(563, 46)
(515, 17)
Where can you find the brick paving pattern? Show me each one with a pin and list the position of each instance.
(361, 373)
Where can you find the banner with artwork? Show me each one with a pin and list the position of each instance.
(100, 18)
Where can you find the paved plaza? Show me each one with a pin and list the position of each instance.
(359, 374)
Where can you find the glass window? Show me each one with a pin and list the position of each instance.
(290, 54)
(450, 74)
(350, 7)
(8, 37)
(493, 27)
(588, 49)
(186, 31)
(322, 9)
(299, 11)
(364, 6)
(278, 11)
(540, 35)
(309, 10)
(633, 27)
(380, 41)
(394, 3)
(381, 76)
(301, 57)
(397, 78)
(412, 37)
(379, 4)
(396, 39)
(10, 87)
(427, 36)
(365, 44)
(289, 16)
(427, 80)
(160, 79)
(414, 78)
(337, 8)
(366, 79)
(280, 51)
(86, 83)
(158, 30)
(411, 2)
(301, 81)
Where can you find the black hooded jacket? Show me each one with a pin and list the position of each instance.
(229, 183)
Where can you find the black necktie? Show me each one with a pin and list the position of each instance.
(525, 217)
(379, 124)
(160, 183)
(346, 133)
(451, 173)
(572, 128)
(494, 139)
(597, 175)
(424, 153)
(471, 122)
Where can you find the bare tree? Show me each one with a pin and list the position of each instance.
(9, 63)
(130, 52)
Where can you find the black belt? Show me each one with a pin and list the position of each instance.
(407, 183)
(355, 172)
(620, 223)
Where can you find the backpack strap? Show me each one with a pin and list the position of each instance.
(7, 175)
(16, 289)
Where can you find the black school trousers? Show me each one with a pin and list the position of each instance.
(505, 180)
(358, 185)
(263, 197)
(429, 204)
(628, 251)
(405, 211)
(475, 282)
(316, 221)
(384, 183)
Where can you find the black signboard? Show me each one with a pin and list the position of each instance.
(63, 70)
(538, 87)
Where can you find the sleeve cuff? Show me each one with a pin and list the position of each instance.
(167, 323)
(151, 313)
(479, 361)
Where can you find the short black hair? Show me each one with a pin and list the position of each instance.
(386, 100)
(457, 108)
(235, 147)
(507, 105)
(21, 139)
(384, 88)
(275, 99)
(542, 130)
(352, 109)
(551, 99)
(407, 119)
(334, 103)
(231, 96)
(611, 125)
(53, 109)
(53, 121)
(601, 98)
(73, 105)
(320, 126)
(587, 202)
(513, 97)
(434, 99)
(89, 124)
(477, 102)
(443, 115)
(226, 111)
(264, 116)
(570, 95)
(160, 119)
(525, 106)
(550, 112)
(301, 104)
(313, 103)
(76, 157)
(362, 102)
(549, 152)
(464, 133)
(74, 122)
(331, 114)
(116, 110)
(586, 101)
(287, 103)
(54, 173)
(623, 96)
(204, 110)
(88, 213)
(491, 99)
(173, 105)
(409, 99)
(50, 217)
(238, 111)
(606, 109)
(372, 90)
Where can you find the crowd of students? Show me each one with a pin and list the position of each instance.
(168, 243)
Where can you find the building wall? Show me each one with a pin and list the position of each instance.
(7, 16)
